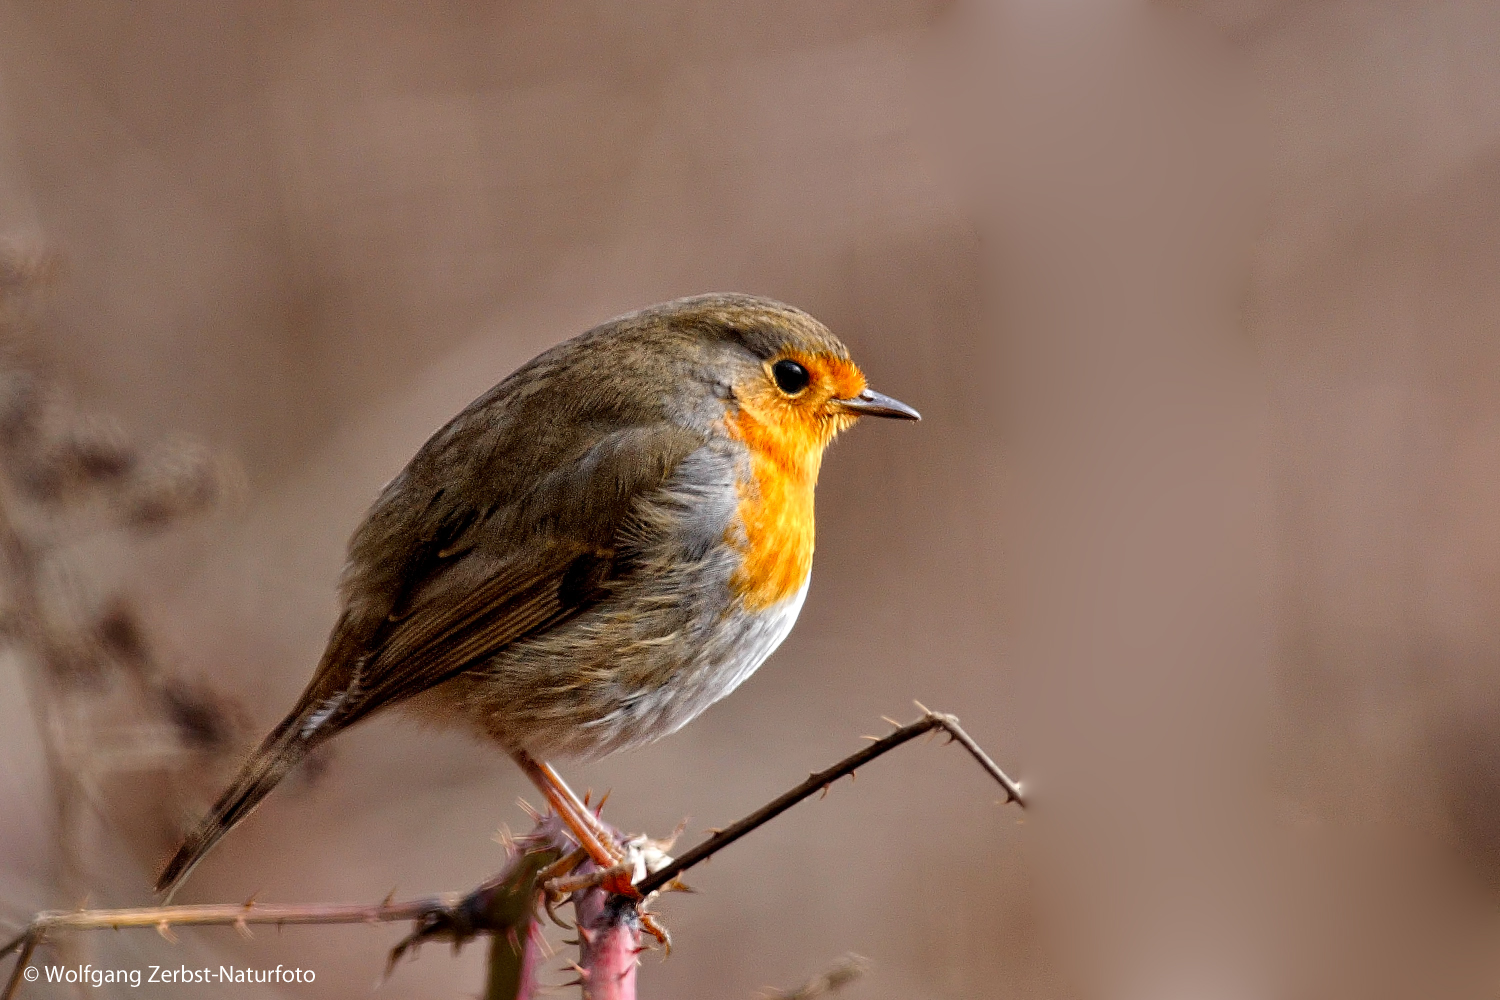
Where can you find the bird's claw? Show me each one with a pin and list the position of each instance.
(617, 863)
(652, 926)
(639, 856)
(616, 879)
(548, 880)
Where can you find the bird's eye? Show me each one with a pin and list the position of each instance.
(791, 378)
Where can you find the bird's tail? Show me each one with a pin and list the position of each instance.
(273, 760)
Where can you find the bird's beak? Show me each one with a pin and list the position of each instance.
(877, 404)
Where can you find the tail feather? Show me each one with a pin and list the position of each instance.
(273, 760)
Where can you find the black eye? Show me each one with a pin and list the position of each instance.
(791, 378)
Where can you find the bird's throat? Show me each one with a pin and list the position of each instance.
(774, 530)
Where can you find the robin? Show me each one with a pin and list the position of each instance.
(588, 556)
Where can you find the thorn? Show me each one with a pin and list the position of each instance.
(529, 810)
(872, 739)
(572, 942)
(853, 775)
(824, 795)
(586, 935)
(588, 793)
(665, 844)
(390, 898)
(599, 809)
(887, 718)
(583, 973)
(243, 929)
(714, 831)
(678, 885)
(165, 930)
(575, 982)
(249, 903)
(922, 708)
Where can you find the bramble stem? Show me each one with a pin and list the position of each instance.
(225, 915)
(820, 781)
(609, 934)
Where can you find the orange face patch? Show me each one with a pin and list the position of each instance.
(786, 436)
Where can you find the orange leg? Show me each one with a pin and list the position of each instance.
(592, 836)
(595, 840)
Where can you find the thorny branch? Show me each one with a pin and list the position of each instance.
(820, 781)
(490, 909)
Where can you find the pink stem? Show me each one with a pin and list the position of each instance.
(609, 937)
(533, 958)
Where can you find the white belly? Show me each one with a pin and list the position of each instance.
(734, 651)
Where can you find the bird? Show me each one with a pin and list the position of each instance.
(589, 555)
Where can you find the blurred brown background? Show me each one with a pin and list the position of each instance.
(309, 233)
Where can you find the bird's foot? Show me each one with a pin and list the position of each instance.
(642, 856)
(615, 863)
(652, 926)
(616, 879)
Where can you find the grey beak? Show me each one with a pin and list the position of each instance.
(877, 404)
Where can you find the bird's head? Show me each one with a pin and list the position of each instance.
(789, 384)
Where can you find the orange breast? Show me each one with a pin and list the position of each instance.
(775, 511)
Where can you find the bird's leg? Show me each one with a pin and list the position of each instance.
(592, 836)
(617, 866)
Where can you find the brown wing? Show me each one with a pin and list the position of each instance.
(436, 584)
(481, 576)
(463, 615)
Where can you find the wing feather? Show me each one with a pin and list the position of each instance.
(479, 581)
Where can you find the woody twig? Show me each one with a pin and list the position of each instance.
(505, 906)
(820, 781)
